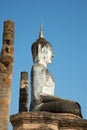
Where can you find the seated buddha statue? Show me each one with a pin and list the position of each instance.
(42, 82)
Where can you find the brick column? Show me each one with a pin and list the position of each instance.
(23, 99)
(6, 66)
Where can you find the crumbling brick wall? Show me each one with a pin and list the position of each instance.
(6, 66)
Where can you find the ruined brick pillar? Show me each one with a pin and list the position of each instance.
(6, 66)
(23, 99)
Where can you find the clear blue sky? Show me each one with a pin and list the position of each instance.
(65, 26)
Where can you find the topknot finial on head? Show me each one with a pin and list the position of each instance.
(41, 34)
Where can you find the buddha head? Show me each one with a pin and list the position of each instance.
(42, 52)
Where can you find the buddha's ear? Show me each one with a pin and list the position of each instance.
(38, 56)
(39, 52)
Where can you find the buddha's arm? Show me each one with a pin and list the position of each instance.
(37, 80)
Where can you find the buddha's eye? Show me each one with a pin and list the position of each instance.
(44, 57)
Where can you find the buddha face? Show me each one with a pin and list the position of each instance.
(44, 55)
(47, 54)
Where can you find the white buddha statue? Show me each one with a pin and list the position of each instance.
(42, 81)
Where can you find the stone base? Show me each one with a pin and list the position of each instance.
(47, 121)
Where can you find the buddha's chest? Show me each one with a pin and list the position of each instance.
(48, 83)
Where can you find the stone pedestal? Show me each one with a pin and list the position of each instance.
(47, 121)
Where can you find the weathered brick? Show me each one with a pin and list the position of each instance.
(6, 66)
(47, 121)
(23, 99)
